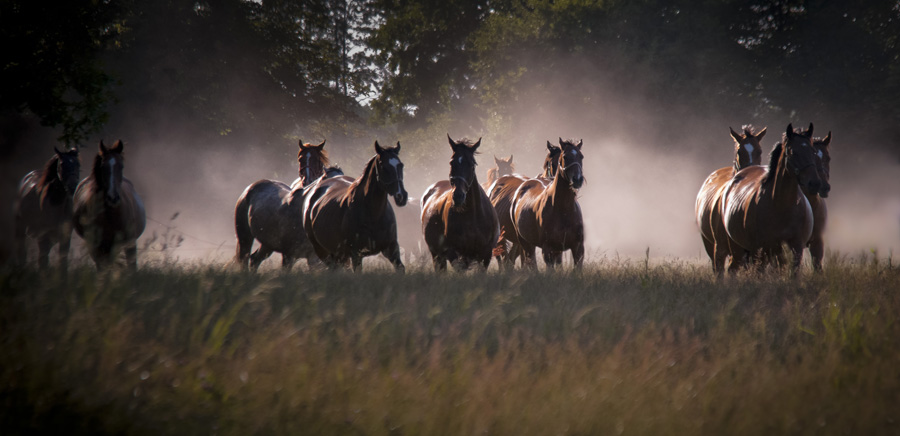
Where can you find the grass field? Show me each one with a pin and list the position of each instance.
(625, 347)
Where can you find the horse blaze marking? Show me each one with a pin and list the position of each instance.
(819, 153)
(460, 160)
(112, 168)
(749, 148)
(394, 162)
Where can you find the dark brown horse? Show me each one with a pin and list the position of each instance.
(44, 207)
(504, 167)
(747, 151)
(817, 202)
(346, 220)
(764, 208)
(108, 213)
(501, 194)
(549, 216)
(271, 212)
(458, 220)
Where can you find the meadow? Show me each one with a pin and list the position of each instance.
(623, 347)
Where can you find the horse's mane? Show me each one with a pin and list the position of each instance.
(571, 141)
(774, 158)
(48, 174)
(369, 168)
(749, 130)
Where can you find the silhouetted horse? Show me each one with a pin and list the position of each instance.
(747, 151)
(108, 213)
(271, 212)
(346, 220)
(501, 195)
(312, 160)
(763, 206)
(44, 207)
(817, 201)
(504, 167)
(458, 220)
(549, 216)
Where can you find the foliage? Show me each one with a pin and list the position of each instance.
(638, 347)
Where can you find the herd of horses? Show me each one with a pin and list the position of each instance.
(747, 212)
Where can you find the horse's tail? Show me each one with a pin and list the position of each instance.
(242, 229)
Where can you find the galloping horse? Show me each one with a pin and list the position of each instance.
(817, 202)
(549, 216)
(501, 194)
(458, 220)
(504, 167)
(747, 151)
(44, 207)
(107, 212)
(763, 206)
(272, 213)
(349, 219)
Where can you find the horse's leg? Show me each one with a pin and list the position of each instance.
(44, 245)
(817, 252)
(21, 252)
(262, 253)
(287, 261)
(131, 256)
(65, 241)
(549, 258)
(392, 253)
(439, 261)
(710, 247)
(356, 262)
(528, 256)
(243, 232)
(578, 255)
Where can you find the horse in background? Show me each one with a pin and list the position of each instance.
(548, 215)
(44, 207)
(108, 213)
(817, 201)
(271, 212)
(504, 167)
(763, 207)
(458, 221)
(501, 195)
(312, 160)
(747, 151)
(346, 220)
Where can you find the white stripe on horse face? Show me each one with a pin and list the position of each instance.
(111, 189)
(394, 162)
(821, 155)
(460, 160)
(749, 147)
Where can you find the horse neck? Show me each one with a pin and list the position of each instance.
(559, 192)
(366, 190)
(50, 186)
(474, 195)
(783, 186)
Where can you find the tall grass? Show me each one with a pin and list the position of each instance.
(620, 348)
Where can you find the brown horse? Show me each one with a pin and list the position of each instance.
(763, 206)
(747, 151)
(817, 201)
(108, 213)
(44, 207)
(458, 220)
(504, 167)
(346, 220)
(501, 194)
(549, 216)
(271, 212)
(312, 160)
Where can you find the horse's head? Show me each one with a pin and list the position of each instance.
(570, 168)
(551, 162)
(505, 167)
(800, 159)
(389, 170)
(823, 155)
(747, 150)
(312, 159)
(332, 171)
(108, 167)
(462, 168)
(68, 168)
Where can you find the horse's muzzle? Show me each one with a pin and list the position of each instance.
(401, 197)
(824, 189)
(577, 181)
(459, 197)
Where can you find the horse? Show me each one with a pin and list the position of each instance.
(346, 219)
(504, 167)
(458, 221)
(44, 207)
(548, 215)
(816, 243)
(271, 212)
(763, 207)
(501, 195)
(747, 151)
(108, 213)
(312, 160)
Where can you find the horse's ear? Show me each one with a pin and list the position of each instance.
(560, 142)
(790, 130)
(827, 140)
(810, 131)
(58, 153)
(103, 148)
(477, 144)
(759, 136)
(118, 147)
(510, 159)
(580, 143)
(322, 145)
(735, 135)
(378, 148)
(550, 146)
(452, 144)
(397, 148)
(496, 161)
(300, 143)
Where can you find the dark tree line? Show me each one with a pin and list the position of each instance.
(267, 69)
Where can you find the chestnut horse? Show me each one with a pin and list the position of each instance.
(458, 220)
(549, 216)
(504, 167)
(501, 194)
(44, 207)
(271, 212)
(349, 219)
(817, 202)
(107, 211)
(763, 207)
(747, 151)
